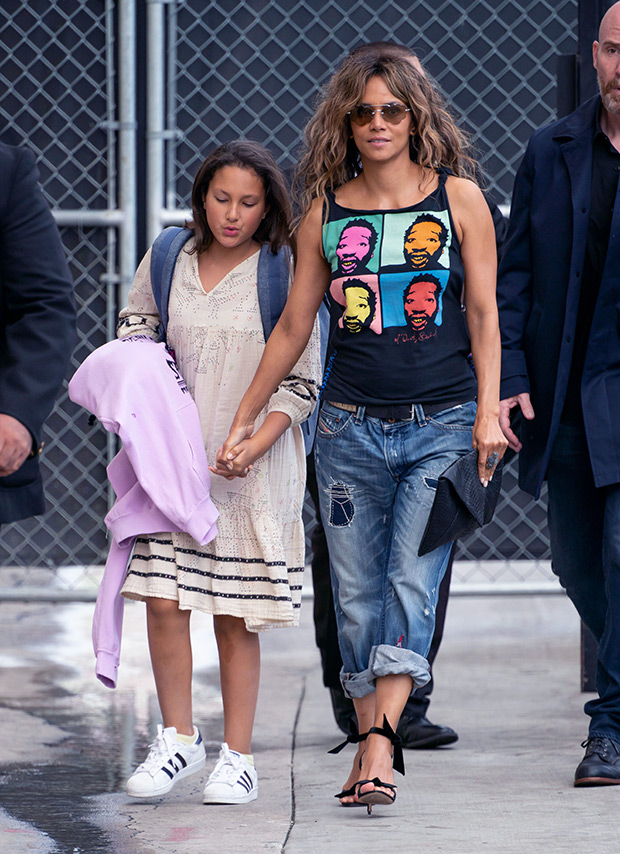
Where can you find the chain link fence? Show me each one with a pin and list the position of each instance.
(232, 70)
(254, 70)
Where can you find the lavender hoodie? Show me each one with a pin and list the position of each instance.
(160, 475)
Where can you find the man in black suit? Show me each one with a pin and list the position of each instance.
(559, 300)
(37, 329)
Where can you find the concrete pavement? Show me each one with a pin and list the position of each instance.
(507, 680)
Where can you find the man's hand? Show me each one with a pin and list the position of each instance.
(15, 444)
(505, 408)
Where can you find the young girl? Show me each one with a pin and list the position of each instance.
(395, 230)
(249, 576)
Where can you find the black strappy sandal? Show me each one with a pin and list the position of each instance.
(375, 796)
(354, 737)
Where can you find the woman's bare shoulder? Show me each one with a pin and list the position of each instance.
(312, 221)
(463, 190)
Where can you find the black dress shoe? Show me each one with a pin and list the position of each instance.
(421, 734)
(344, 710)
(600, 765)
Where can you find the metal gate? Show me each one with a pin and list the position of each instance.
(75, 76)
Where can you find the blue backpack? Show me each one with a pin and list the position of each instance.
(273, 279)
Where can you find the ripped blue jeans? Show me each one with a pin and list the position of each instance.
(377, 481)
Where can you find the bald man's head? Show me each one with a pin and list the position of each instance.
(606, 59)
(608, 19)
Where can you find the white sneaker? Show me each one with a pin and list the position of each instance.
(233, 780)
(168, 760)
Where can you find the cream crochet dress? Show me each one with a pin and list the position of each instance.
(253, 568)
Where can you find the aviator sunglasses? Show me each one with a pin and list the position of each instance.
(365, 113)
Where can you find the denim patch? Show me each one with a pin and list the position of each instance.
(341, 509)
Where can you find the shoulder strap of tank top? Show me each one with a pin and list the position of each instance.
(326, 212)
(331, 204)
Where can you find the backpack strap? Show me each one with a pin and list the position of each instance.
(273, 279)
(164, 253)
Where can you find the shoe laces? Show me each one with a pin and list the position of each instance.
(160, 750)
(600, 745)
(228, 766)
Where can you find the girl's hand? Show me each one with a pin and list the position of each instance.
(241, 458)
(235, 458)
(227, 453)
(490, 442)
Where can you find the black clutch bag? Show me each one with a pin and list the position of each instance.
(461, 503)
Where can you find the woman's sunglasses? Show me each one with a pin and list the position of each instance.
(365, 113)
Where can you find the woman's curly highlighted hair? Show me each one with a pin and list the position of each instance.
(330, 157)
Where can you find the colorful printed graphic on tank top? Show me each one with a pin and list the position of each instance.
(395, 291)
(390, 270)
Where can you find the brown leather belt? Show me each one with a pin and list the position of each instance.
(397, 412)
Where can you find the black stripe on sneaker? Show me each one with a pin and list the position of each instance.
(168, 771)
(181, 760)
(246, 781)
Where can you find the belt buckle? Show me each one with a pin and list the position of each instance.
(411, 412)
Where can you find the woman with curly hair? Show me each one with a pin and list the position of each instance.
(400, 402)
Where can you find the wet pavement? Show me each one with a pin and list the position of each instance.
(507, 680)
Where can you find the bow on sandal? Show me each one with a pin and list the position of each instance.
(378, 795)
(354, 737)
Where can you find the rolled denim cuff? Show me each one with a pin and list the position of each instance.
(386, 660)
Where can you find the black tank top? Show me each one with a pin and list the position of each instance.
(399, 333)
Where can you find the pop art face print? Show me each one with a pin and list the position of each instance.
(389, 272)
(357, 242)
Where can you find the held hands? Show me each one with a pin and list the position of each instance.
(505, 411)
(239, 461)
(239, 451)
(490, 443)
(15, 444)
(242, 449)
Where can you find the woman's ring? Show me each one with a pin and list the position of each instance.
(492, 460)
